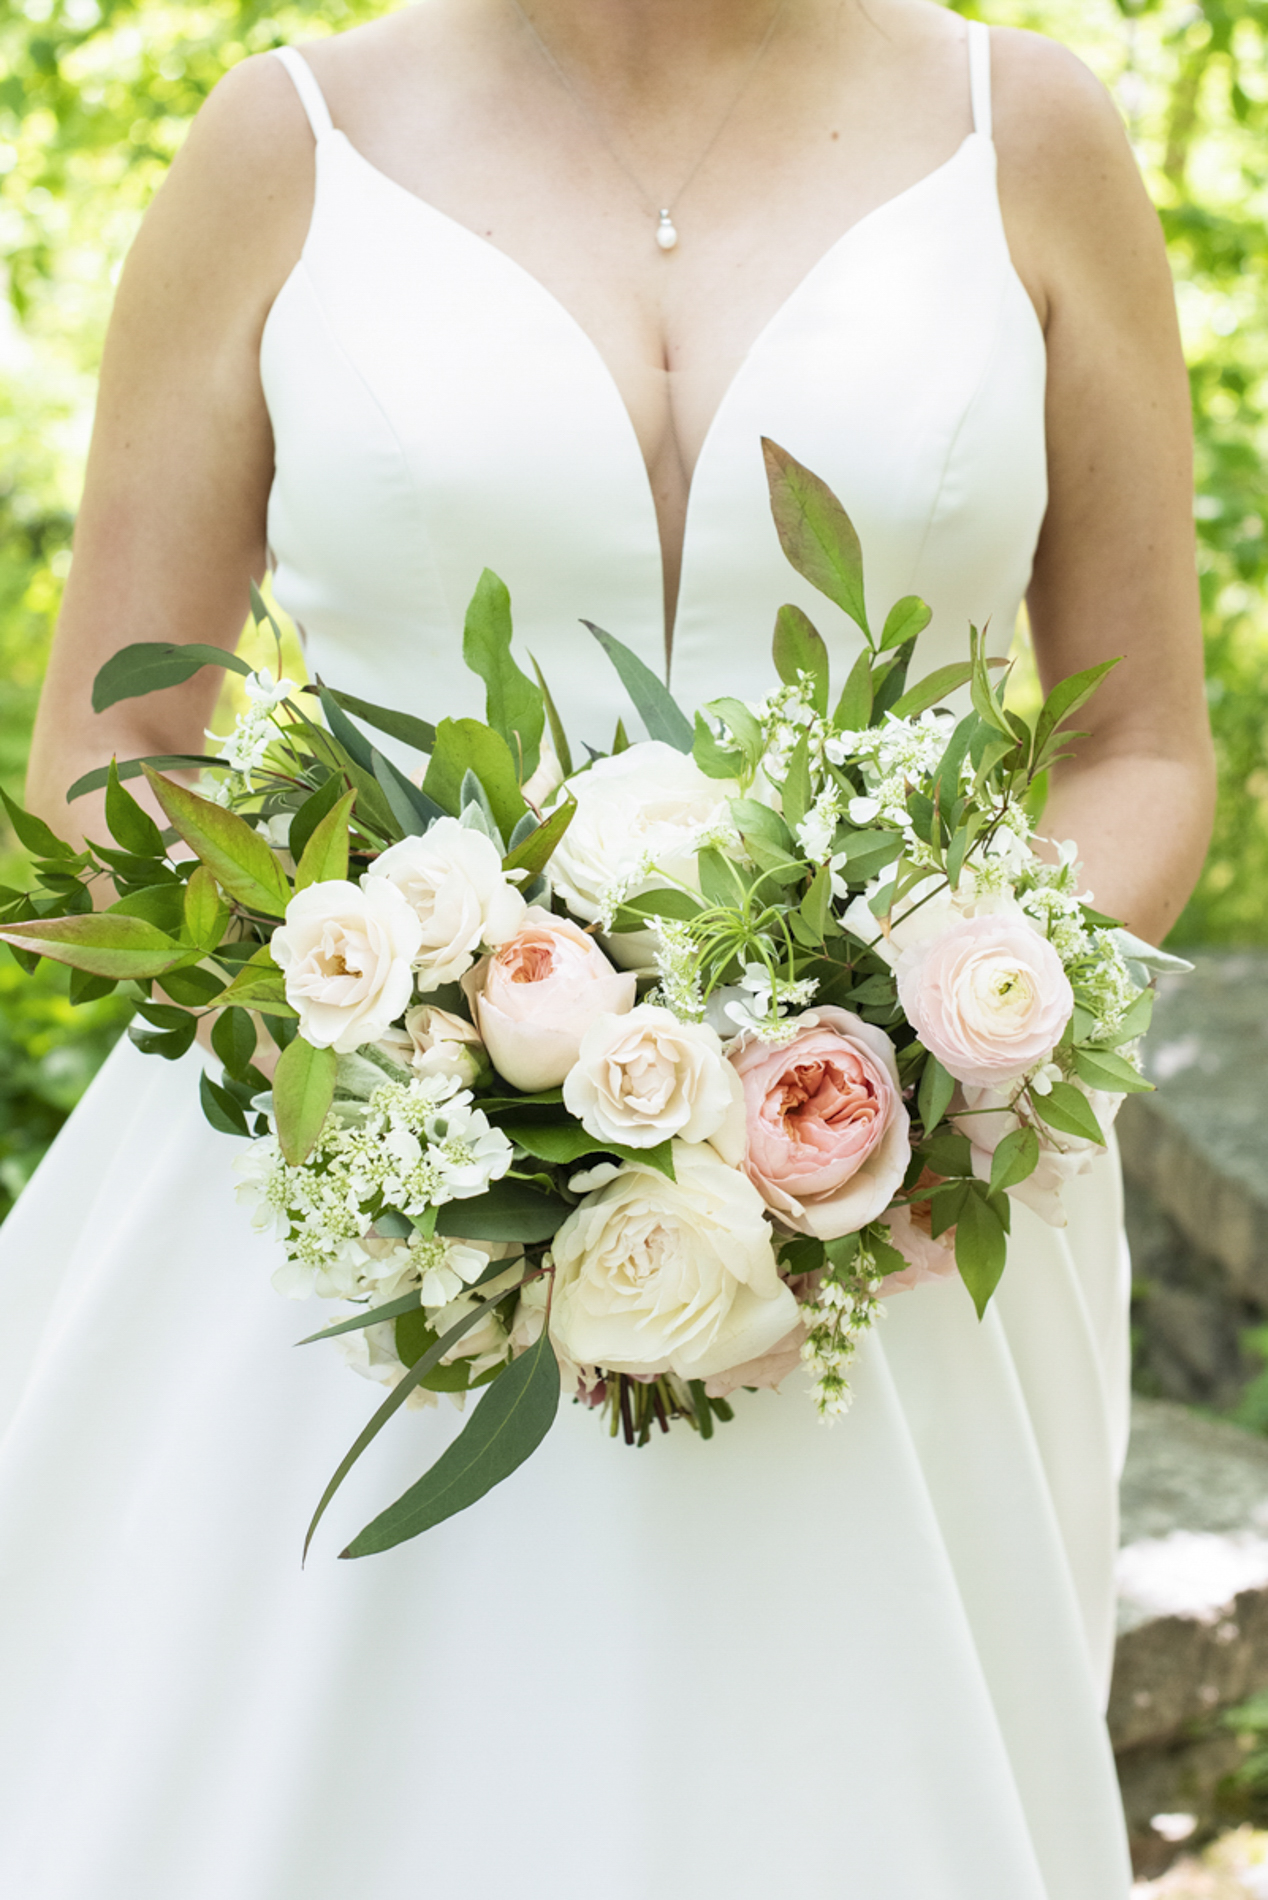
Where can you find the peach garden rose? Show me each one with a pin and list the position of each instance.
(534, 999)
(827, 1130)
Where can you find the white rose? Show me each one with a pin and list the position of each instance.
(653, 1275)
(347, 953)
(452, 879)
(644, 1077)
(436, 1042)
(639, 822)
(1061, 1157)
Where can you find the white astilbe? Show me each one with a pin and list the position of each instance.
(679, 987)
(254, 730)
(836, 1316)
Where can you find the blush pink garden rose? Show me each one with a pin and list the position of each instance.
(828, 1141)
(347, 952)
(534, 999)
(988, 997)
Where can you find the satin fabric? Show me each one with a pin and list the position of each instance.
(864, 1662)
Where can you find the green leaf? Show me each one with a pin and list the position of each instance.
(681, 905)
(981, 1248)
(558, 737)
(397, 1397)
(464, 745)
(34, 833)
(718, 880)
(854, 708)
(220, 1108)
(933, 1098)
(796, 794)
(506, 1427)
(1136, 1019)
(1065, 698)
(418, 733)
(816, 905)
(1015, 1159)
(906, 620)
(936, 687)
(514, 706)
(411, 808)
(510, 1210)
(151, 666)
(193, 987)
(815, 532)
(260, 987)
(326, 852)
(234, 1039)
(564, 1142)
(84, 987)
(129, 825)
(236, 855)
(1068, 1110)
(131, 768)
(948, 1153)
(311, 812)
(714, 759)
(303, 1090)
(102, 942)
(798, 648)
(742, 726)
(888, 684)
(170, 1044)
(1102, 1069)
(653, 702)
(535, 853)
(985, 704)
(205, 913)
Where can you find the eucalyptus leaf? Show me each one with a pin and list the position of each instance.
(152, 666)
(534, 852)
(419, 734)
(655, 705)
(558, 737)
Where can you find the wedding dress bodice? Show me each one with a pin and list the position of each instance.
(436, 410)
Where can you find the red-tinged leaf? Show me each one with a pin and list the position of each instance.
(105, 943)
(236, 855)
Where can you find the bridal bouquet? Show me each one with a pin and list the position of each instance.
(654, 1075)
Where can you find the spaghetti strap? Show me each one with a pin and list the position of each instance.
(310, 93)
(980, 75)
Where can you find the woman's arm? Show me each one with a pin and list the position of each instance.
(1115, 572)
(172, 524)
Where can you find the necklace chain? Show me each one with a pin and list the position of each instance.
(666, 231)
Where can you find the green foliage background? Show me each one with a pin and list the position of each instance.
(96, 96)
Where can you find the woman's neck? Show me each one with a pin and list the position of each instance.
(632, 46)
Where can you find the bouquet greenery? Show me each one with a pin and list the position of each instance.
(652, 1077)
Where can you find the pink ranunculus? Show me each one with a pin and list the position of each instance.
(828, 1138)
(535, 998)
(910, 1230)
(988, 997)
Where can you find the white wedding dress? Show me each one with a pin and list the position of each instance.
(858, 1663)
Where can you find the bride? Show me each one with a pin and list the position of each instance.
(523, 285)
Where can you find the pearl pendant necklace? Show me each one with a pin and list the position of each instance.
(666, 229)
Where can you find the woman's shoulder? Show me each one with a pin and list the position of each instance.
(1073, 198)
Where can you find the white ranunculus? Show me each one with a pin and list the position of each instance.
(347, 953)
(653, 1275)
(644, 1077)
(452, 879)
(641, 818)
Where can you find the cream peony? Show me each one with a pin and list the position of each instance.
(452, 878)
(639, 822)
(535, 999)
(1061, 1157)
(653, 1275)
(347, 952)
(988, 997)
(643, 1077)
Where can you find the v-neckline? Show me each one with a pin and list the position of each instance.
(599, 361)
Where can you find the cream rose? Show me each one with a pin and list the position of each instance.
(347, 952)
(1061, 1157)
(988, 997)
(639, 820)
(534, 1000)
(644, 1077)
(436, 1042)
(653, 1275)
(452, 879)
(828, 1142)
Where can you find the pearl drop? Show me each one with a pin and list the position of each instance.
(666, 232)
